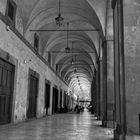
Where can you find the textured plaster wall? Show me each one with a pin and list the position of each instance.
(99, 11)
(10, 43)
(132, 63)
(3, 6)
(19, 22)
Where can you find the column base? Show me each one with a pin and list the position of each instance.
(104, 123)
(132, 137)
(100, 118)
(110, 124)
(118, 134)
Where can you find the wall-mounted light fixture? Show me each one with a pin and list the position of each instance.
(7, 28)
(27, 61)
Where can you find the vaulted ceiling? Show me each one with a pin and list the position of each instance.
(84, 45)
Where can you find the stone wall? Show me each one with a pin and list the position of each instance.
(132, 63)
(26, 58)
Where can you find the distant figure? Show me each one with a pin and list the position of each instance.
(77, 109)
(65, 109)
(82, 108)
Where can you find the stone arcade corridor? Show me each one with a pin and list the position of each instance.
(56, 55)
(82, 126)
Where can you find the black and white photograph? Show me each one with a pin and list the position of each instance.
(69, 69)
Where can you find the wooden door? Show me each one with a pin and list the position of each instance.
(6, 91)
(47, 97)
(65, 98)
(55, 101)
(60, 98)
(33, 91)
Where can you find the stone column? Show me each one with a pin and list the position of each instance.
(120, 110)
(98, 88)
(93, 96)
(104, 121)
(95, 101)
(110, 83)
(101, 90)
(109, 72)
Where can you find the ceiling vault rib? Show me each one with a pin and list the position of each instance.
(64, 30)
(86, 18)
(74, 64)
(71, 52)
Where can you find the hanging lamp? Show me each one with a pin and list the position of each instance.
(75, 70)
(72, 61)
(67, 49)
(59, 20)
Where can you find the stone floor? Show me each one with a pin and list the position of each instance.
(58, 127)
